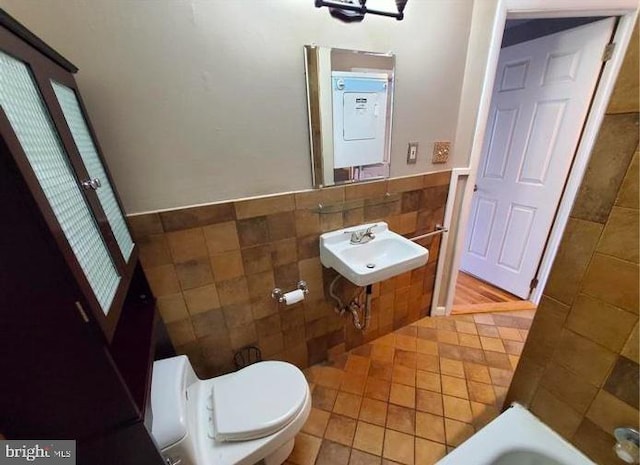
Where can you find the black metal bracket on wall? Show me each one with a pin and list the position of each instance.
(362, 9)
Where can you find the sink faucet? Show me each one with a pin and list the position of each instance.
(362, 236)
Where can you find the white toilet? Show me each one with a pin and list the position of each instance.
(247, 417)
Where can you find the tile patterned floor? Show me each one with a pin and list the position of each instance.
(411, 396)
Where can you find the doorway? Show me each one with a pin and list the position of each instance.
(546, 76)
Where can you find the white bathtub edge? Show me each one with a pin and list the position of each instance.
(516, 429)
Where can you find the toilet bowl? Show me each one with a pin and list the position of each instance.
(246, 417)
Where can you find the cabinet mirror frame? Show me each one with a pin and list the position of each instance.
(320, 62)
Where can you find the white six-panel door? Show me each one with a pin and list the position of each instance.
(540, 100)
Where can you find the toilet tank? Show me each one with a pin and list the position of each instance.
(169, 382)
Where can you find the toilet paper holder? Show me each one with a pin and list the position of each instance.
(279, 295)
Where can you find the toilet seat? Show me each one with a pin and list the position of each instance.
(257, 401)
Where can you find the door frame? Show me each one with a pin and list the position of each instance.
(627, 11)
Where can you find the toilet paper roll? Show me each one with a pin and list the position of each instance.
(293, 297)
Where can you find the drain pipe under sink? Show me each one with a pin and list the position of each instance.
(354, 306)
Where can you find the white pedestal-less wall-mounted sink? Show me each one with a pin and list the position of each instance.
(369, 253)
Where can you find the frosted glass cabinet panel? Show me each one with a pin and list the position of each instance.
(68, 101)
(30, 120)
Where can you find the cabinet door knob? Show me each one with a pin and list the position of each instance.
(92, 184)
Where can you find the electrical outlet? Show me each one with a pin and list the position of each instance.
(412, 153)
(441, 151)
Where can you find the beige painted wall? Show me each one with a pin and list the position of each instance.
(202, 101)
(484, 14)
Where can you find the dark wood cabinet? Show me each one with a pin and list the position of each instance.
(78, 325)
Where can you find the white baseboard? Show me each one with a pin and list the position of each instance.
(438, 311)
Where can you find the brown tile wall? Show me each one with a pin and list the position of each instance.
(579, 368)
(212, 269)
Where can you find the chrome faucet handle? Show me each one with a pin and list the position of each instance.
(370, 229)
(368, 234)
(356, 235)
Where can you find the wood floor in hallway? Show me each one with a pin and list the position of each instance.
(476, 296)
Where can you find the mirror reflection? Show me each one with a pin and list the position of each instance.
(350, 101)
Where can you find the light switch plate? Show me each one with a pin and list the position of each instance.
(441, 151)
(412, 153)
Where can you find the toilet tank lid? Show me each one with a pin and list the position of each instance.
(168, 400)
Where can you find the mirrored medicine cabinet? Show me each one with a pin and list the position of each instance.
(350, 103)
